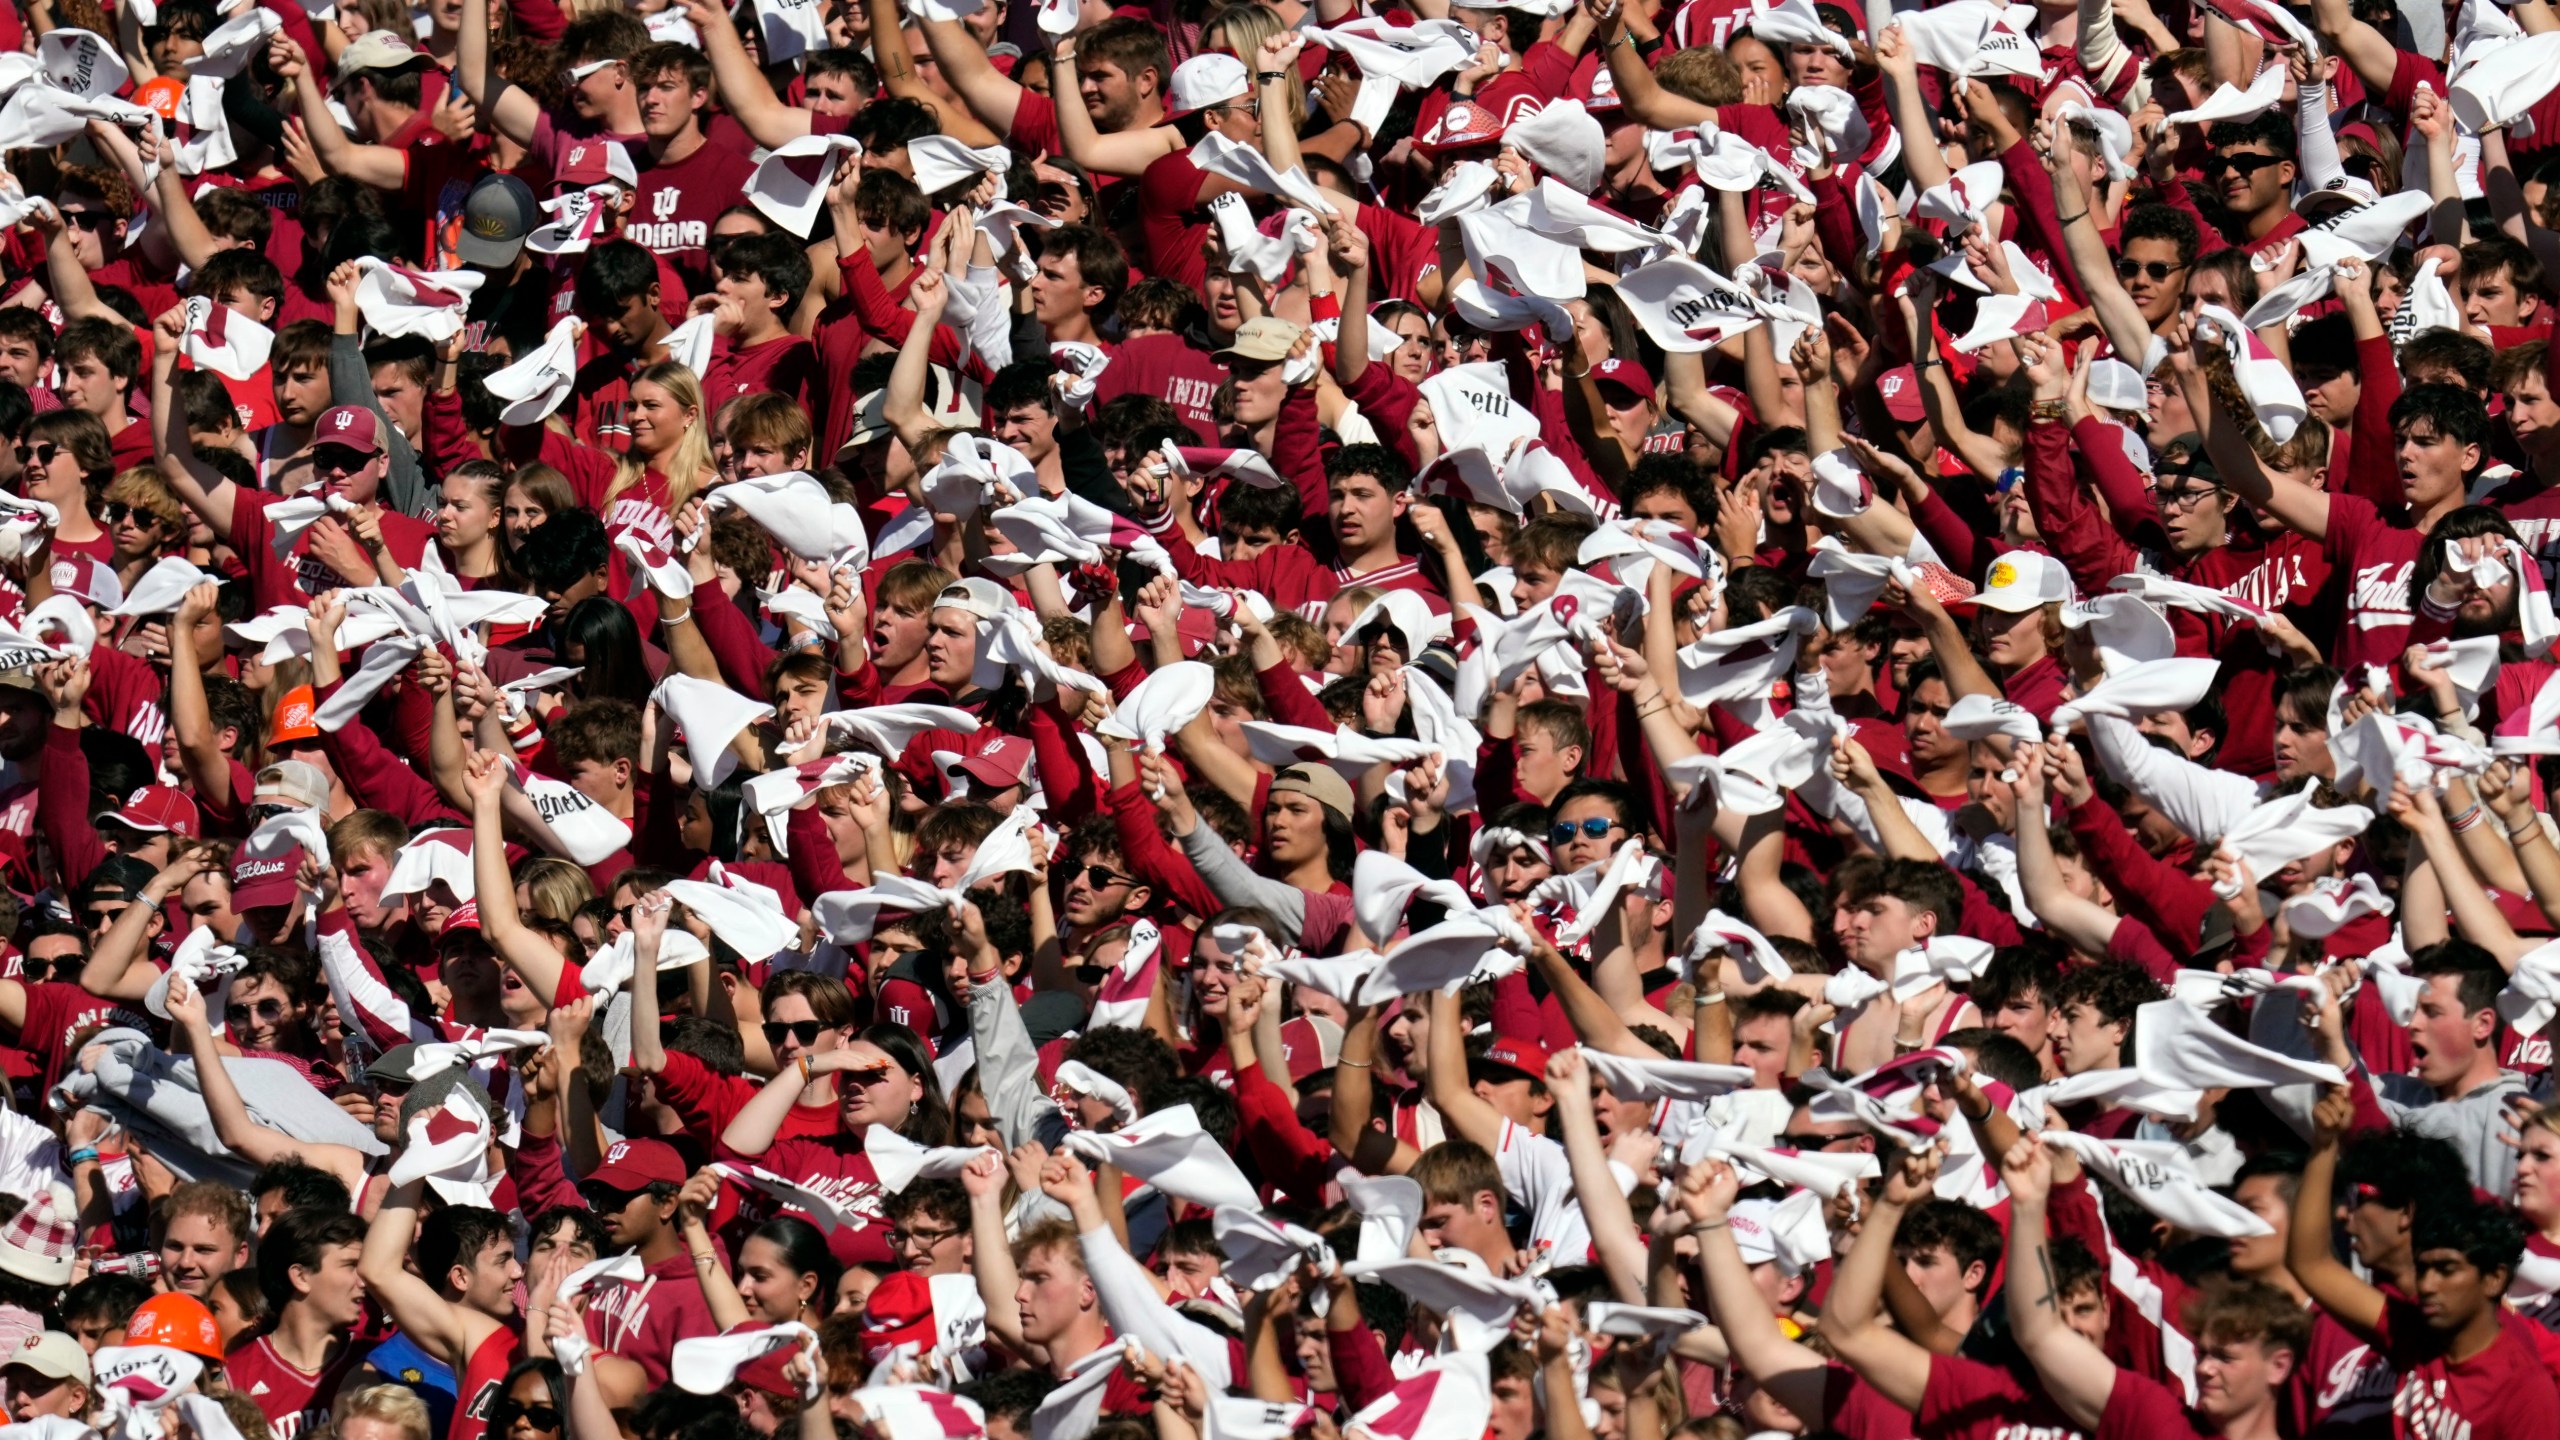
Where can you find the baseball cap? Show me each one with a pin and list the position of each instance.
(1311, 1044)
(1465, 125)
(263, 881)
(1624, 373)
(1321, 782)
(177, 1320)
(1205, 80)
(2114, 385)
(593, 162)
(352, 426)
(379, 50)
(2022, 580)
(1510, 1052)
(948, 408)
(899, 1312)
(639, 1164)
(89, 580)
(156, 810)
(2186, 455)
(1900, 389)
(976, 594)
(1753, 1223)
(496, 216)
(50, 1352)
(1264, 338)
(294, 780)
(397, 1065)
(293, 717)
(118, 877)
(996, 759)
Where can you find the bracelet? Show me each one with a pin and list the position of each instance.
(1715, 997)
(2070, 219)
(805, 1077)
(85, 1155)
(1704, 1227)
(2050, 410)
(1925, 364)
(2468, 820)
(1660, 705)
(1355, 1064)
(677, 618)
(1265, 77)
(2528, 830)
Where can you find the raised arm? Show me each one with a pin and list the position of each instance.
(990, 94)
(409, 1298)
(2299, 506)
(2307, 1247)
(2077, 1374)
(1127, 153)
(205, 491)
(2092, 266)
(1793, 1373)
(379, 166)
(1852, 1314)
(504, 106)
(239, 1132)
(1467, 1115)
(1614, 1237)
(528, 954)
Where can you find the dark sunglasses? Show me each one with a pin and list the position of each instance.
(604, 1199)
(269, 1010)
(1596, 827)
(804, 1031)
(115, 511)
(2158, 270)
(1808, 1140)
(2363, 167)
(1103, 877)
(263, 813)
(39, 454)
(87, 219)
(339, 459)
(507, 1412)
(2245, 165)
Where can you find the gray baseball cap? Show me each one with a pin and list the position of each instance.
(496, 216)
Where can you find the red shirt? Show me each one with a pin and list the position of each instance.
(1171, 219)
(292, 1400)
(2503, 1393)
(787, 365)
(2378, 558)
(1969, 1400)
(2140, 1408)
(707, 1101)
(2342, 1389)
(478, 1387)
(642, 1323)
(677, 202)
(836, 1167)
(1173, 370)
(57, 1011)
(272, 582)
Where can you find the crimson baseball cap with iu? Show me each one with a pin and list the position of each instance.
(995, 759)
(350, 425)
(156, 810)
(639, 1164)
(1509, 1052)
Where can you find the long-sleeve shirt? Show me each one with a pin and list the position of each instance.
(2170, 901)
(1008, 1069)
(1287, 1156)
(1315, 922)
(62, 807)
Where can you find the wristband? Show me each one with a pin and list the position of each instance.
(805, 1077)
(677, 618)
(1265, 77)
(1711, 998)
(2467, 821)
(85, 1155)
(2070, 219)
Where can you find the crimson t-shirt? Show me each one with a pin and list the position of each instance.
(273, 582)
(677, 202)
(2378, 559)
(57, 1011)
(642, 1323)
(2140, 1408)
(2503, 1393)
(1969, 1400)
(292, 1400)
(2342, 1389)
(1172, 220)
(835, 1167)
(1173, 370)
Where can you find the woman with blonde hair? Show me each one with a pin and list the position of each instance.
(553, 888)
(668, 463)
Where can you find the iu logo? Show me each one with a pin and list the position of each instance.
(1564, 607)
(346, 418)
(614, 1155)
(664, 204)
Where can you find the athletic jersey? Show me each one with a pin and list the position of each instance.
(293, 1400)
(483, 1382)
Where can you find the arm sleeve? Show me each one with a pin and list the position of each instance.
(404, 486)
(375, 778)
(1008, 1069)
(1143, 846)
(883, 318)
(2204, 803)
(1957, 542)
(2099, 449)
(541, 1173)
(2315, 144)
(365, 1000)
(1388, 399)
(1288, 699)
(1285, 1153)
(815, 870)
(1065, 778)
(62, 806)
(2373, 466)
(1130, 1302)
(1835, 216)
(1295, 453)
(1235, 884)
(2028, 180)
(2161, 896)
(1360, 1370)
(2093, 554)
(742, 657)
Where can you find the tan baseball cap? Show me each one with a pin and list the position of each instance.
(1319, 782)
(1265, 338)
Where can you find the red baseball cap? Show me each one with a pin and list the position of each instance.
(1465, 125)
(350, 425)
(157, 809)
(1626, 374)
(261, 881)
(996, 759)
(899, 1312)
(1311, 1044)
(639, 1164)
(1899, 388)
(1513, 1053)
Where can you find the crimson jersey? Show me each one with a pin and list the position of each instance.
(293, 1400)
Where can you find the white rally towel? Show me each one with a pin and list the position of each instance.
(1450, 1397)
(1169, 1150)
(397, 301)
(901, 1162)
(790, 184)
(1721, 933)
(1471, 949)
(2265, 379)
(1630, 1078)
(2331, 904)
(2286, 829)
(2159, 1176)
(539, 380)
(1383, 887)
(1129, 986)
(2177, 1046)
(448, 1147)
(710, 717)
(2142, 689)
(1261, 1252)
(746, 916)
(2230, 102)
(709, 1364)
(1477, 1304)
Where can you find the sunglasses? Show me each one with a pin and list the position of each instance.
(507, 1412)
(2158, 270)
(606, 1200)
(804, 1031)
(269, 1010)
(1597, 827)
(262, 813)
(1103, 877)
(338, 459)
(87, 219)
(1808, 1140)
(39, 454)
(2363, 167)
(115, 511)
(2244, 165)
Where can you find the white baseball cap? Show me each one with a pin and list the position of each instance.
(1203, 81)
(2023, 580)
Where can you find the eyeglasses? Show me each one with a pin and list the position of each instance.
(39, 454)
(107, 916)
(338, 459)
(604, 1199)
(263, 813)
(2244, 165)
(804, 1031)
(507, 1412)
(1596, 828)
(2183, 499)
(2363, 167)
(115, 511)
(269, 1010)
(1103, 877)
(1808, 1140)
(901, 1239)
(1248, 106)
(87, 219)
(2158, 270)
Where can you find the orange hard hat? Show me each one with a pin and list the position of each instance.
(177, 1320)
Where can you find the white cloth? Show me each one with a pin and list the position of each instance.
(2286, 829)
(2158, 1176)
(2266, 380)
(2176, 1046)
(1168, 1149)
(539, 380)
(709, 1364)
(2230, 102)
(397, 301)
(1629, 1078)
(710, 717)
(746, 916)
(2144, 689)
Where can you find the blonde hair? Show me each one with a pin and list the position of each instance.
(689, 463)
(1240, 30)
(556, 886)
(391, 1404)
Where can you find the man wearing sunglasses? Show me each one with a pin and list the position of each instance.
(2251, 171)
